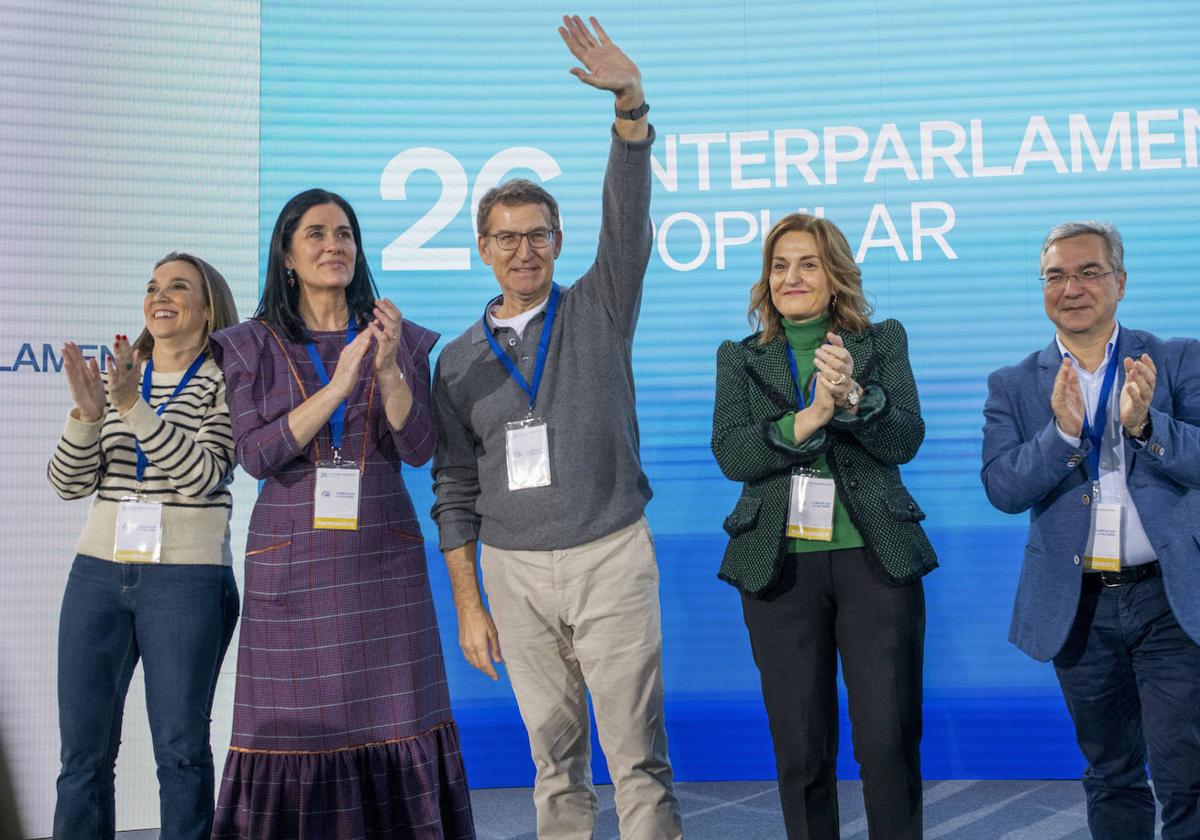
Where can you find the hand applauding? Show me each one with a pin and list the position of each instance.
(1140, 376)
(386, 329)
(85, 382)
(124, 374)
(1066, 400)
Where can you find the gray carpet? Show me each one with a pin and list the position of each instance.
(961, 810)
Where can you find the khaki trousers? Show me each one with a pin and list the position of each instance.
(578, 620)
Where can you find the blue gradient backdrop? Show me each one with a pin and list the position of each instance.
(345, 89)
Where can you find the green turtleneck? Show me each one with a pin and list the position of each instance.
(804, 337)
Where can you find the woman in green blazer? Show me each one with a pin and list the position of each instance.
(813, 414)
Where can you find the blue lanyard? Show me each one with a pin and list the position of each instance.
(539, 364)
(1094, 432)
(147, 384)
(337, 420)
(812, 388)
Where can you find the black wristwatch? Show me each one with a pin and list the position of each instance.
(634, 114)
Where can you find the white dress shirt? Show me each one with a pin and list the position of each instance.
(1135, 545)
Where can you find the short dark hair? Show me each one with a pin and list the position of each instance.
(516, 193)
(279, 305)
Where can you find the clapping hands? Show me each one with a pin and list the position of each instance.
(1140, 376)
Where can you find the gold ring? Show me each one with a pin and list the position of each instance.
(839, 380)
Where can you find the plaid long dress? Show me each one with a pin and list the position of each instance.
(342, 726)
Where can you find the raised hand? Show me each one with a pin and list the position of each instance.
(124, 374)
(386, 329)
(1136, 393)
(607, 68)
(1066, 400)
(85, 382)
(345, 376)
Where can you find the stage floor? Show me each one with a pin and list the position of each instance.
(961, 810)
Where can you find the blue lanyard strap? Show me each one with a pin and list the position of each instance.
(812, 388)
(539, 364)
(337, 420)
(147, 384)
(1094, 431)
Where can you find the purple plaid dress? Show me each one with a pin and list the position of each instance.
(342, 726)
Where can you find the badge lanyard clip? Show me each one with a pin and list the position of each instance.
(527, 441)
(1103, 552)
(812, 387)
(337, 420)
(147, 386)
(1093, 432)
(539, 364)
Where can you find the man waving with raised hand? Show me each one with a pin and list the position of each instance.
(538, 462)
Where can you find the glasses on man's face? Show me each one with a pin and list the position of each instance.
(507, 240)
(1056, 281)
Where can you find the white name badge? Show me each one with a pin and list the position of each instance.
(1104, 543)
(335, 499)
(810, 514)
(139, 532)
(527, 448)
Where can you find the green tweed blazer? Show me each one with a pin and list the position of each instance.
(754, 389)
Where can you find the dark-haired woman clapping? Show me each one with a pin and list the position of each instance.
(342, 724)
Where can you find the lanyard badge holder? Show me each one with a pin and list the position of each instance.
(1103, 552)
(139, 522)
(813, 496)
(336, 491)
(810, 511)
(527, 441)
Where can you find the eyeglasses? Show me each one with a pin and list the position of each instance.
(1088, 277)
(507, 240)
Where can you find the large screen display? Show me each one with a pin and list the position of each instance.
(944, 139)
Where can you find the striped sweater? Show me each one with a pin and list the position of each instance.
(190, 454)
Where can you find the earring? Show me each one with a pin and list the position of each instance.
(833, 302)
(291, 277)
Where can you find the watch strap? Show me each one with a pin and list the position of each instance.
(634, 113)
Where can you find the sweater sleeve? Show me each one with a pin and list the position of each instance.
(455, 470)
(617, 276)
(196, 465)
(76, 467)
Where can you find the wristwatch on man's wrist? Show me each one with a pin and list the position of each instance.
(1143, 435)
(633, 113)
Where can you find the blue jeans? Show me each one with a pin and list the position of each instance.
(178, 620)
(1131, 678)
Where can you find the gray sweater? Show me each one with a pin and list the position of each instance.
(586, 397)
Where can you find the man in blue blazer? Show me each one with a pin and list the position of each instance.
(1098, 437)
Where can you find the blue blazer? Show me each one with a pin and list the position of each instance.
(1028, 466)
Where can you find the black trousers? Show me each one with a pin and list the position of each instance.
(826, 603)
